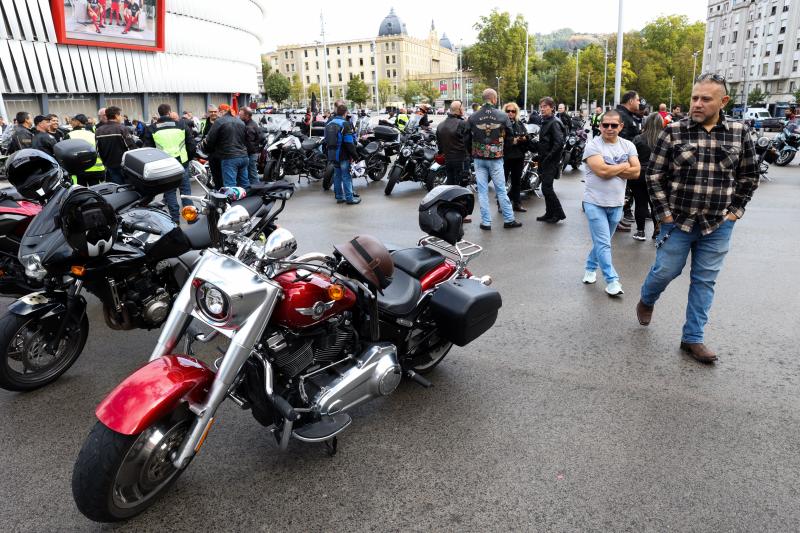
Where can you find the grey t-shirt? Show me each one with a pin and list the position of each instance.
(600, 191)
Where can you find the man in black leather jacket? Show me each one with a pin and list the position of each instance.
(226, 141)
(252, 141)
(551, 143)
(628, 107)
(453, 138)
(489, 128)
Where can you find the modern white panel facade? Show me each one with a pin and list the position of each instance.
(210, 54)
(755, 44)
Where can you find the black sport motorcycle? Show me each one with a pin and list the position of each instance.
(787, 142)
(136, 274)
(418, 160)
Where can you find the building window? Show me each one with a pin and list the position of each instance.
(770, 29)
(305, 53)
(306, 65)
(308, 79)
(794, 65)
(317, 78)
(372, 60)
(349, 51)
(394, 59)
(371, 47)
(360, 48)
(339, 63)
(292, 67)
(782, 30)
(393, 45)
(287, 68)
(387, 60)
(351, 76)
(286, 55)
(338, 51)
(734, 37)
(388, 73)
(291, 54)
(317, 63)
(767, 52)
(329, 78)
(779, 51)
(361, 74)
(773, 10)
(791, 86)
(785, 8)
(748, 34)
(722, 40)
(394, 73)
(360, 61)
(328, 63)
(777, 69)
(764, 68)
(779, 87)
(316, 53)
(349, 62)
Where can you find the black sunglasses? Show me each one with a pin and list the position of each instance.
(511, 111)
(716, 78)
(610, 126)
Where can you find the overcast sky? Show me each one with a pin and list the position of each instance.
(341, 23)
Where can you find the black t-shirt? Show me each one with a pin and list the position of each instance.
(43, 141)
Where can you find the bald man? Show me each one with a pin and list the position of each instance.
(453, 138)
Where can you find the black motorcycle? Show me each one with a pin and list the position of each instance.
(417, 161)
(574, 144)
(373, 148)
(134, 263)
(787, 142)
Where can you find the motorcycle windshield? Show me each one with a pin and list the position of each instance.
(43, 236)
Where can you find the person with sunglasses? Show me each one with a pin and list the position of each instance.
(514, 155)
(610, 162)
(701, 175)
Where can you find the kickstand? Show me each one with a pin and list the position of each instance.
(331, 446)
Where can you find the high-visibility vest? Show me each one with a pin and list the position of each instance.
(402, 120)
(88, 136)
(170, 138)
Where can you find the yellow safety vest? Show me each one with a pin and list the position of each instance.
(171, 139)
(88, 136)
(402, 120)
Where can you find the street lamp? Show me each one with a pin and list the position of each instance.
(605, 75)
(694, 67)
(498, 89)
(671, 84)
(577, 61)
(525, 91)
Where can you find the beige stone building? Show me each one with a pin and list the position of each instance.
(397, 56)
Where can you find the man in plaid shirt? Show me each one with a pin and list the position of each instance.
(701, 175)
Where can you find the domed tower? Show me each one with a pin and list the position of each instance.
(444, 42)
(391, 25)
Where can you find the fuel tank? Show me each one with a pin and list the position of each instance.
(310, 298)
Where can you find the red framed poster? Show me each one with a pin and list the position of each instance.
(128, 24)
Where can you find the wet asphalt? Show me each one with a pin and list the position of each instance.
(566, 416)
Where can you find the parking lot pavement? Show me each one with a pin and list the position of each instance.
(566, 416)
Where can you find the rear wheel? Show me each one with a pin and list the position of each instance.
(118, 476)
(784, 158)
(426, 362)
(327, 177)
(25, 363)
(377, 169)
(394, 177)
(436, 178)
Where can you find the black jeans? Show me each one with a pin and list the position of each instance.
(215, 166)
(548, 173)
(641, 201)
(456, 172)
(513, 169)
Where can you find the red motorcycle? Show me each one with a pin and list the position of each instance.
(16, 214)
(311, 337)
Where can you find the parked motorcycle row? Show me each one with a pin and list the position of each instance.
(310, 337)
(780, 150)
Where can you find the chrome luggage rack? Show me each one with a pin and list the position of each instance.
(462, 253)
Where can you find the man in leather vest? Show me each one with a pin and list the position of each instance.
(174, 138)
(81, 130)
(489, 127)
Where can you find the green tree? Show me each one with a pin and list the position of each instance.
(265, 71)
(296, 89)
(314, 89)
(430, 92)
(277, 87)
(357, 90)
(756, 96)
(384, 90)
(410, 92)
(500, 51)
(796, 95)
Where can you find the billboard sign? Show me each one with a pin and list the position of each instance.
(129, 24)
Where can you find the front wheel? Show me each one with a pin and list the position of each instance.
(784, 158)
(118, 476)
(377, 170)
(394, 177)
(25, 363)
(327, 177)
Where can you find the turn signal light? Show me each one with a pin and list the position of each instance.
(336, 292)
(77, 270)
(189, 213)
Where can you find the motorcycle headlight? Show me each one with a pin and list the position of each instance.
(406, 152)
(572, 140)
(33, 266)
(270, 139)
(212, 301)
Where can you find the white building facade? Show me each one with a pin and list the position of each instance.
(210, 54)
(755, 44)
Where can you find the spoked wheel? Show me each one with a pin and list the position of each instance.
(377, 171)
(424, 363)
(118, 476)
(784, 158)
(26, 364)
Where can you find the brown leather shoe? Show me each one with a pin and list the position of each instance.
(644, 313)
(699, 352)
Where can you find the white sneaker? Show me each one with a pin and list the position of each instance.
(614, 288)
(589, 276)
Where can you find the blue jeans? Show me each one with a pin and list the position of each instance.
(602, 225)
(486, 169)
(342, 182)
(171, 199)
(252, 169)
(708, 253)
(114, 175)
(234, 172)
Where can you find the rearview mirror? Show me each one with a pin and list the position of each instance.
(233, 220)
(280, 244)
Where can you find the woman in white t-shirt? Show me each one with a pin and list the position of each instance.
(610, 160)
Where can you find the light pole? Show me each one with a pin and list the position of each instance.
(525, 90)
(694, 67)
(375, 77)
(618, 73)
(498, 89)
(605, 75)
(577, 61)
(588, 101)
(325, 65)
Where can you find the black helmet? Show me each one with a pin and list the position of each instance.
(34, 173)
(88, 222)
